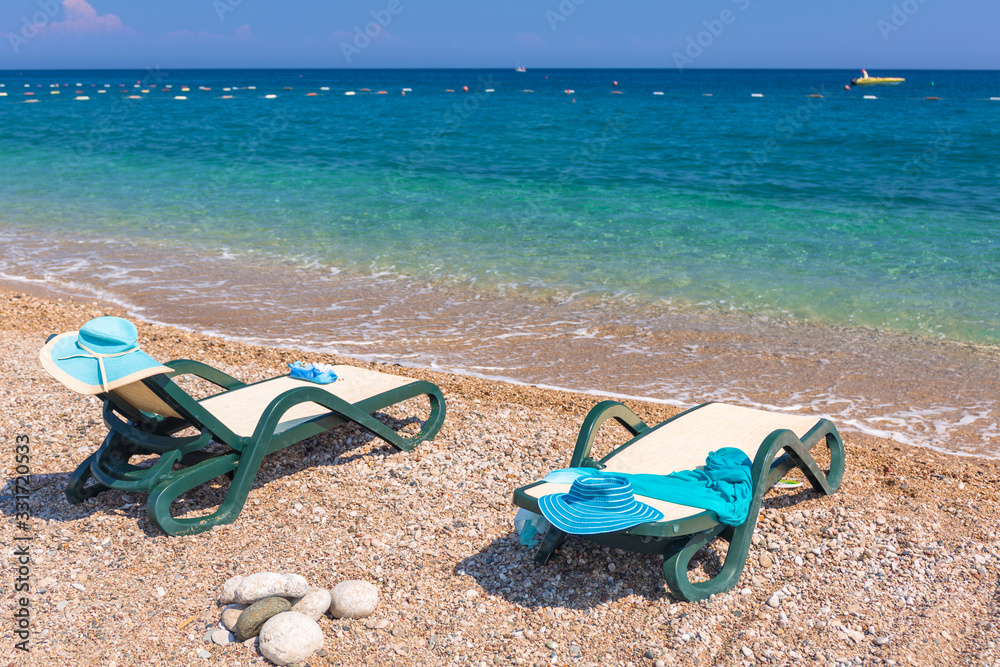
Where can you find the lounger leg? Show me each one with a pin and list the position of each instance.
(161, 497)
(676, 561)
(76, 492)
(553, 538)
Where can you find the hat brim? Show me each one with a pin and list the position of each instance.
(583, 518)
(82, 374)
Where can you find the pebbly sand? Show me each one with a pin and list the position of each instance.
(900, 567)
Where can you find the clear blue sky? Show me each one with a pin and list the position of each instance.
(877, 34)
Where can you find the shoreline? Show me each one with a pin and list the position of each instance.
(899, 567)
(918, 390)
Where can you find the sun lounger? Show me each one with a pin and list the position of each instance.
(148, 413)
(775, 443)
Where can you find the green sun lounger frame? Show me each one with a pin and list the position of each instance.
(678, 444)
(145, 417)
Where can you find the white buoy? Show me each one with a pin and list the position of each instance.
(82, 98)
(251, 87)
(176, 97)
(325, 88)
(31, 101)
(350, 92)
(995, 99)
(870, 97)
(657, 92)
(270, 97)
(53, 92)
(101, 91)
(756, 94)
(490, 90)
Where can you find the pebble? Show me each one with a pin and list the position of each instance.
(228, 594)
(204, 655)
(765, 561)
(659, 663)
(290, 637)
(881, 641)
(314, 604)
(551, 645)
(773, 601)
(353, 599)
(231, 614)
(223, 637)
(270, 584)
(254, 616)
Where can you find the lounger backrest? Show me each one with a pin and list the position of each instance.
(685, 443)
(141, 397)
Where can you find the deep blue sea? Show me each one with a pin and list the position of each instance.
(350, 210)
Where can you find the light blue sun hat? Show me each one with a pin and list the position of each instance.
(103, 355)
(596, 505)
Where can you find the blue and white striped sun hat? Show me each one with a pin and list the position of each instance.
(595, 505)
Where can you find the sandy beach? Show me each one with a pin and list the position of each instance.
(898, 568)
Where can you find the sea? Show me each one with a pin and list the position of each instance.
(772, 238)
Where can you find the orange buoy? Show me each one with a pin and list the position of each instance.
(847, 87)
(465, 89)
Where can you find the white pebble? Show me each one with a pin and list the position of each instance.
(353, 599)
(229, 590)
(290, 637)
(270, 584)
(223, 637)
(314, 604)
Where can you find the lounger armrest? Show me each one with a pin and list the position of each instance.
(285, 401)
(599, 414)
(205, 372)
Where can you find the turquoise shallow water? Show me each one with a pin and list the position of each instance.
(573, 235)
(880, 213)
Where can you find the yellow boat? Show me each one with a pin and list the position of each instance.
(877, 81)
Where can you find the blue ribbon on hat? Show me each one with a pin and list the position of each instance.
(102, 373)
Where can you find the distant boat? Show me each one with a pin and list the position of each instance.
(865, 80)
(519, 68)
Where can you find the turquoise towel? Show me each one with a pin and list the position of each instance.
(723, 486)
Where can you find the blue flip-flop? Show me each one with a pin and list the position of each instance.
(318, 373)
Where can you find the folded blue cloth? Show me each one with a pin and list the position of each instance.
(318, 373)
(723, 486)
